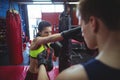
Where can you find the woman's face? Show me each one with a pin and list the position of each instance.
(46, 31)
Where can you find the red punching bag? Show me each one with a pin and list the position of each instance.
(14, 37)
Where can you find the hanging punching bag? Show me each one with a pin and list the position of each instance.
(14, 37)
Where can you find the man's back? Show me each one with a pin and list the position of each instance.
(97, 70)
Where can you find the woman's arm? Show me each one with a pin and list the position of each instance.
(43, 40)
(55, 37)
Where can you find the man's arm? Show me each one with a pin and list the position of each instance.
(75, 72)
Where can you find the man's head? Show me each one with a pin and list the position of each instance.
(95, 13)
(106, 10)
(67, 8)
(44, 28)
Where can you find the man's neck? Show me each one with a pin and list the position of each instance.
(110, 51)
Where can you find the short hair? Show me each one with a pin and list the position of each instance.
(43, 24)
(106, 10)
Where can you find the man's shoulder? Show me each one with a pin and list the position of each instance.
(79, 71)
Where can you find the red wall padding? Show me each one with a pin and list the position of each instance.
(74, 18)
(53, 18)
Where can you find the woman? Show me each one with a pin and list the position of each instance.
(42, 56)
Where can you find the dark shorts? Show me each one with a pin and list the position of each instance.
(31, 76)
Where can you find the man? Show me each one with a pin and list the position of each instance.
(100, 25)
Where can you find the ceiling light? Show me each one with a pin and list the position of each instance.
(42, 2)
(73, 2)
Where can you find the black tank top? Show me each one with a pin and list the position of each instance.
(97, 70)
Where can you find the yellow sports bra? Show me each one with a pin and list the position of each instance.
(34, 53)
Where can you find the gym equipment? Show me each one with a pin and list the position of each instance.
(14, 37)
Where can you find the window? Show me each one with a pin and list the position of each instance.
(34, 15)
